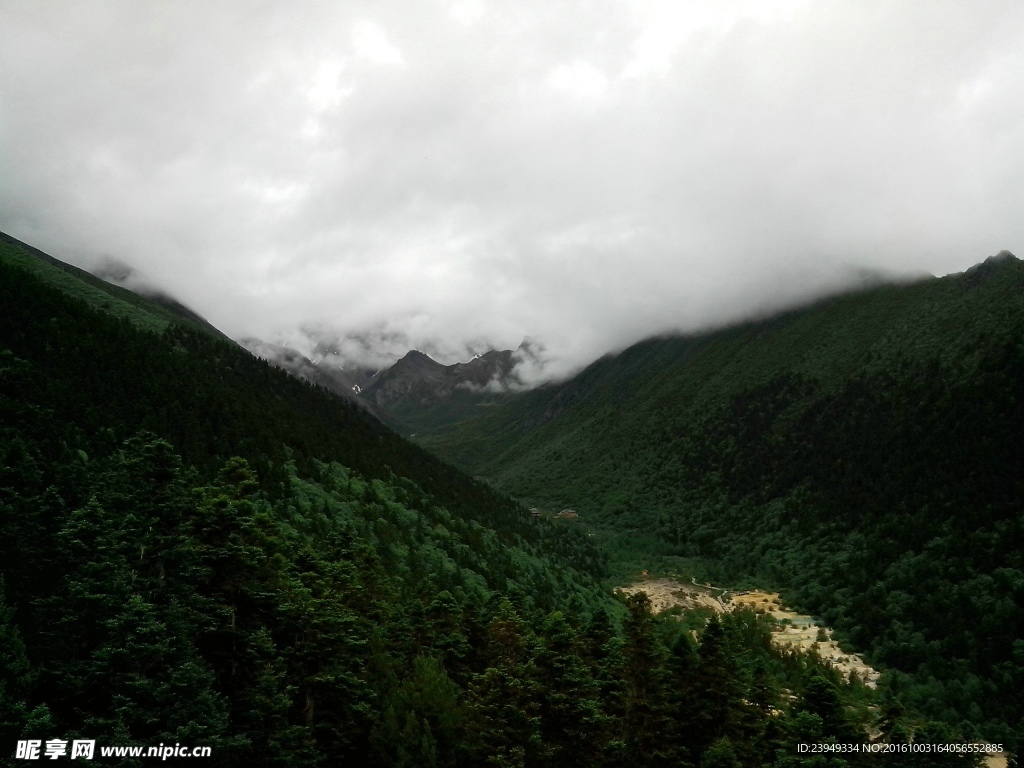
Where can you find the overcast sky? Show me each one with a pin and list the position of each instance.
(443, 174)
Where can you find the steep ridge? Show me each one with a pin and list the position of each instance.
(113, 289)
(344, 383)
(153, 310)
(862, 452)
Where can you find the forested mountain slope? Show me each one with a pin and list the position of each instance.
(155, 311)
(197, 549)
(864, 452)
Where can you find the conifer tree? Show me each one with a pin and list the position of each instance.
(573, 729)
(18, 718)
(645, 719)
(504, 696)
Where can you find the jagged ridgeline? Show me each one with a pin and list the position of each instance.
(196, 548)
(865, 453)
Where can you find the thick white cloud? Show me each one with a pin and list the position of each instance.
(459, 174)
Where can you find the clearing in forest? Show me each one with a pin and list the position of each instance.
(793, 629)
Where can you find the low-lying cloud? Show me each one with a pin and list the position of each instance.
(356, 179)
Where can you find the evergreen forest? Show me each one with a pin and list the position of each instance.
(197, 548)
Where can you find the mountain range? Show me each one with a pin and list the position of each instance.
(197, 547)
(408, 394)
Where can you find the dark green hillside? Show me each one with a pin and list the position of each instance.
(865, 453)
(153, 313)
(197, 549)
(97, 373)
